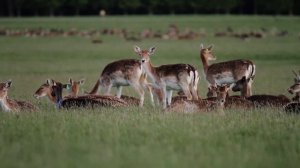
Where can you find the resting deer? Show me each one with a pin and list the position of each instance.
(121, 73)
(83, 101)
(181, 104)
(294, 106)
(228, 72)
(46, 89)
(180, 77)
(8, 105)
(261, 100)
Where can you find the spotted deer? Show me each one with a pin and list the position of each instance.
(295, 88)
(180, 77)
(217, 104)
(127, 72)
(9, 105)
(46, 89)
(83, 101)
(228, 72)
(262, 100)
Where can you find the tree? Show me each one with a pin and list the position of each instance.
(52, 5)
(19, 4)
(127, 5)
(77, 4)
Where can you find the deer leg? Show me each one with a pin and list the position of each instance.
(138, 88)
(164, 96)
(107, 89)
(194, 93)
(187, 92)
(119, 92)
(169, 97)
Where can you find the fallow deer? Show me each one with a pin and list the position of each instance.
(121, 73)
(181, 104)
(9, 105)
(46, 89)
(261, 100)
(294, 107)
(83, 101)
(180, 77)
(228, 72)
(295, 89)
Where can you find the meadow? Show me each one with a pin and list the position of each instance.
(146, 137)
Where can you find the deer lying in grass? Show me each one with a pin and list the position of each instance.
(180, 77)
(8, 105)
(46, 89)
(83, 101)
(228, 72)
(294, 89)
(181, 104)
(261, 100)
(121, 73)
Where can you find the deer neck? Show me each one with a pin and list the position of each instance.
(151, 72)
(5, 105)
(204, 63)
(51, 98)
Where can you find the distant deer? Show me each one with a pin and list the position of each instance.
(180, 77)
(121, 73)
(226, 72)
(83, 101)
(46, 89)
(8, 105)
(261, 100)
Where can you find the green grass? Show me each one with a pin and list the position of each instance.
(147, 137)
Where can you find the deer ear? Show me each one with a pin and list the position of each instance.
(152, 50)
(71, 81)
(81, 82)
(201, 46)
(137, 49)
(49, 81)
(211, 47)
(8, 84)
(67, 86)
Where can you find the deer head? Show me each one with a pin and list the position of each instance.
(206, 53)
(144, 54)
(44, 90)
(75, 85)
(4, 87)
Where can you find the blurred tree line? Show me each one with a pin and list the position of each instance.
(92, 7)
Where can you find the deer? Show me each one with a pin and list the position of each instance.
(217, 104)
(10, 105)
(262, 100)
(126, 72)
(228, 72)
(294, 89)
(83, 101)
(169, 77)
(46, 89)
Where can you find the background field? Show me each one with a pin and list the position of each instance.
(147, 137)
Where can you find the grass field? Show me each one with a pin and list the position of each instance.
(146, 137)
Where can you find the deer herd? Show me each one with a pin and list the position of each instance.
(160, 82)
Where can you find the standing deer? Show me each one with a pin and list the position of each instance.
(228, 72)
(8, 105)
(295, 105)
(121, 73)
(180, 77)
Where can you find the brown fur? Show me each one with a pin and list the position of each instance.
(269, 100)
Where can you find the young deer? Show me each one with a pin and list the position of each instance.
(46, 89)
(121, 73)
(226, 72)
(83, 101)
(170, 77)
(261, 100)
(8, 105)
